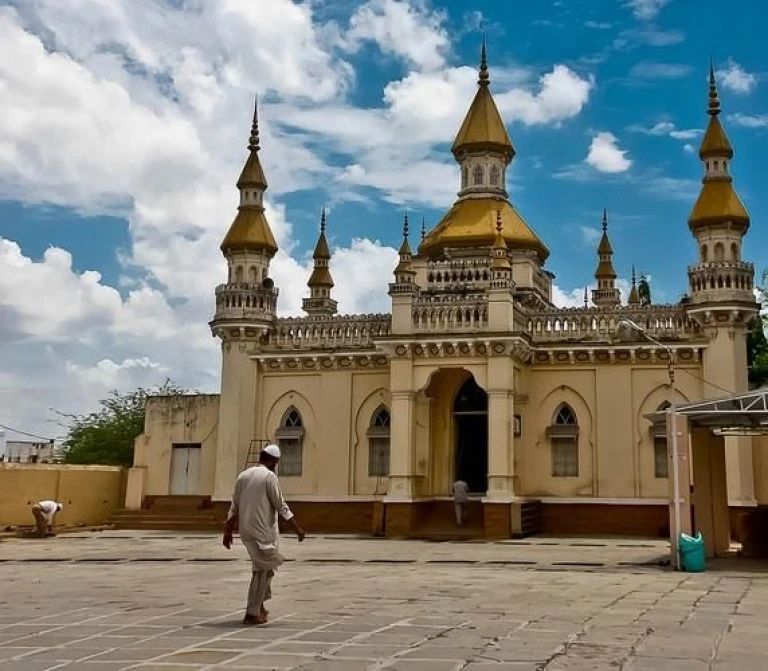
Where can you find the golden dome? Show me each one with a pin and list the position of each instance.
(634, 296)
(605, 271)
(320, 277)
(718, 202)
(322, 251)
(472, 223)
(249, 231)
(253, 173)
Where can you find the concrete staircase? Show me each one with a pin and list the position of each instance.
(438, 522)
(172, 513)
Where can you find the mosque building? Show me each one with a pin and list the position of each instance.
(473, 374)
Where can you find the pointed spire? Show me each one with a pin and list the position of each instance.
(253, 141)
(322, 251)
(484, 78)
(605, 220)
(586, 297)
(714, 100)
(423, 228)
(605, 244)
(405, 248)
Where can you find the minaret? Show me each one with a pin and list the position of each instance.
(320, 303)
(404, 289)
(245, 313)
(634, 295)
(720, 285)
(483, 147)
(606, 294)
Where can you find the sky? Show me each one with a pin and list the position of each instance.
(124, 127)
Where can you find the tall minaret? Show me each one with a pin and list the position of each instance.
(606, 294)
(404, 289)
(721, 285)
(245, 312)
(320, 283)
(482, 146)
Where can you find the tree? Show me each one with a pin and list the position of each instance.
(757, 345)
(644, 290)
(106, 436)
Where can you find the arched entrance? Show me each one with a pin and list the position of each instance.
(470, 414)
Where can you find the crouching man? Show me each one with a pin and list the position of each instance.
(45, 512)
(256, 503)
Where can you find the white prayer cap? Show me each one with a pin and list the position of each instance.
(273, 451)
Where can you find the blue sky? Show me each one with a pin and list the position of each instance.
(126, 127)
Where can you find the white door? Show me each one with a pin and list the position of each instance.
(185, 469)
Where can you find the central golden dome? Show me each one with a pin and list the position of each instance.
(472, 223)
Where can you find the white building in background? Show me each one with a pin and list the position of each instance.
(27, 451)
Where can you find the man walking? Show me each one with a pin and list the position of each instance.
(460, 492)
(256, 503)
(44, 513)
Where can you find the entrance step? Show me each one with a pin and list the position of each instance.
(437, 521)
(183, 513)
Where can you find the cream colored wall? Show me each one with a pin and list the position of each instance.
(615, 444)
(760, 460)
(177, 419)
(336, 407)
(90, 494)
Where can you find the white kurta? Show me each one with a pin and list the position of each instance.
(256, 502)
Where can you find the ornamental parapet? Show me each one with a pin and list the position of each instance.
(347, 331)
(245, 301)
(664, 322)
(448, 313)
(721, 275)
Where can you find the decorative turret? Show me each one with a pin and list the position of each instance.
(634, 294)
(404, 289)
(719, 220)
(246, 304)
(606, 294)
(501, 269)
(483, 150)
(320, 282)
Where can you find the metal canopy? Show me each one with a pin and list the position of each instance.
(735, 415)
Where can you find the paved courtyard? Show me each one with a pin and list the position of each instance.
(130, 600)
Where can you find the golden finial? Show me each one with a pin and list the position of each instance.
(405, 225)
(484, 78)
(634, 281)
(498, 222)
(322, 220)
(253, 141)
(605, 220)
(714, 100)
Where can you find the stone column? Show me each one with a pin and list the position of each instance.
(402, 447)
(501, 468)
(678, 424)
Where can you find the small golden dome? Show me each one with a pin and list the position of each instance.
(605, 271)
(715, 143)
(472, 223)
(718, 202)
(253, 173)
(249, 231)
(320, 277)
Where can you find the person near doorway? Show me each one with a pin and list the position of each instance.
(256, 503)
(460, 492)
(44, 513)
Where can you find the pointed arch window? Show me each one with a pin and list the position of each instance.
(378, 443)
(493, 175)
(290, 438)
(564, 442)
(660, 450)
(477, 175)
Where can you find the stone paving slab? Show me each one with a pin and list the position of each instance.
(159, 601)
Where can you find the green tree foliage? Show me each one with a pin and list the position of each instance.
(106, 436)
(757, 345)
(644, 290)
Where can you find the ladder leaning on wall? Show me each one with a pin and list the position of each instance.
(254, 449)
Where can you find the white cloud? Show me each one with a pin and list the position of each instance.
(605, 154)
(562, 94)
(408, 31)
(598, 25)
(664, 128)
(568, 298)
(736, 79)
(749, 120)
(646, 10)
(590, 234)
(689, 149)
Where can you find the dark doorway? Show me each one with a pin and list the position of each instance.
(470, 411)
